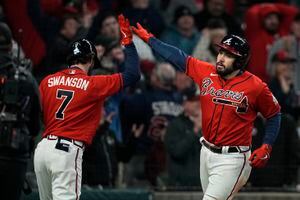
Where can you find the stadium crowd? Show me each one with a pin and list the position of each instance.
(149, 135)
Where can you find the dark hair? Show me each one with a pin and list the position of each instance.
(182, 11)
(104, 15)
(67, 17)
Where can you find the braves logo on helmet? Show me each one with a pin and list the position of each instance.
(76, 50)
(83, 49)
(237, 46)
(228, 41)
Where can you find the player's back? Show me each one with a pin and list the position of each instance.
(72, 101)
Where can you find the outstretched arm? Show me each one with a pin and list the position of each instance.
(131, 74)
(170, 53)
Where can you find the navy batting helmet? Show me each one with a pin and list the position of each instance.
(237, 46)
(82, 51)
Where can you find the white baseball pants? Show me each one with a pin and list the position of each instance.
(58, 172)
(223, 175)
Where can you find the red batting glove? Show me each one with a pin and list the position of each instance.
(126, 34)
(260, 156)
(142, 33)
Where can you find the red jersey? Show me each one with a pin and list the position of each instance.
(72, 102)
(229, 107)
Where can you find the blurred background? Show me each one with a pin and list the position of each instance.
(147, 145)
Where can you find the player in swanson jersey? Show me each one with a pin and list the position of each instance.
(230, 99)
(71, 103)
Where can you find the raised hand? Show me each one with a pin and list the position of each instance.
(126, 34)
(142, 33)
(137, 130)
(260, 156)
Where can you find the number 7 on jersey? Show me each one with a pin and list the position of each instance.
(67, 96)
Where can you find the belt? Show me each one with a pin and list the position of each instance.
(59, 138)
(219, 150)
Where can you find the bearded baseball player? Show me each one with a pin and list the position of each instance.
(72, 102)
(230, 99)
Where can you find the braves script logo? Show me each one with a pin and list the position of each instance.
(225, 97)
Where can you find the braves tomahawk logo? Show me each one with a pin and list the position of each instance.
(225, 97)
(76, 49)
(228, 41)
(241, 107)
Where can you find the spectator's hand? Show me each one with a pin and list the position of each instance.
(109, 117)
(137, 130)
(260, 156)
(126, 34)
(206, 33)
(142, 33)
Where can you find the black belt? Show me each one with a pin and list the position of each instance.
(59, 138)
(219, 149)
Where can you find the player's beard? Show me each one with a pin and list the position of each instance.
(225, 71)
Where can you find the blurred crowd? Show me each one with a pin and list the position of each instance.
(149, 135)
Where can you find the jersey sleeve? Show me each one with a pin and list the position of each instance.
(106, 85)
(197, 69)
(266, 103)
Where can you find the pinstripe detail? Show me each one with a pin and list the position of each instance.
(214, 139)
(76, 184)
(215, 136)
(238, 177)
(210, 124)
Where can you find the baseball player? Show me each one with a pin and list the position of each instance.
(230, 100)
(71, 102)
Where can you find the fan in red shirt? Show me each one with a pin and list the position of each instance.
(266, 23)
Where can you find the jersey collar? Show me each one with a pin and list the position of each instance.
(74, 70)
(238, 78)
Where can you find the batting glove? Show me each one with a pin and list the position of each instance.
(126, 34)
(142, 33)
(260, 156)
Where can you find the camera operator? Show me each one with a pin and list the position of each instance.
(19, 118)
